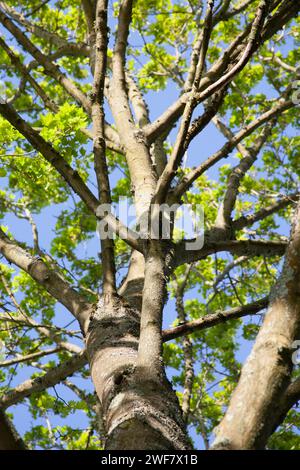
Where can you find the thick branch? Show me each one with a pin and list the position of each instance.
(49, 379)
(142, 175)
(53, 282)
(290, 398)
(265, 377)
(52, 156)
(71, 176)
(149, 360)
(235, 247)
(90, 13)
(118, 82)
(138, 102)
(100, 163)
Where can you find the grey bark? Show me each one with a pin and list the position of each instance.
(138, 411)
(256, 403)
(9, 438)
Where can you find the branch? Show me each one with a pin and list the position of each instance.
(118, 82)
(169, 117)
(52, 156)
(52, 69)
(229, 14)
(29, 357)
(250, 417)
(112, 138)
(169, 172)
(100, 163)
(142, 175)
(202, 121)
(52, 377)
(71, 176)
(165, 122)
(53, 282)
(247, 220)
(25, 72)
(90, 13)
(214, 319)
(53, 333)
(222, 15)
(224, 152)
(45, 330)
(89, 8)
(235, 247)
(217, 17)
(227, 269)
(224, 217)
(288, 10)
(138, 102)
(253, 41)
(290, 397)
(77, 49)
(118, 96)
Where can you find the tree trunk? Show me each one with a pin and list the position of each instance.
(138, 413)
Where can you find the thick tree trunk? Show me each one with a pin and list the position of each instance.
(138, 413)
(256, 403)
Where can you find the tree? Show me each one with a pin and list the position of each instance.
(78, 85)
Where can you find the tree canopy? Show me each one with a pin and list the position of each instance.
(159, 101)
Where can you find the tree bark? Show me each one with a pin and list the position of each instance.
(138, 412)
(9, 438)
(256, 402)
